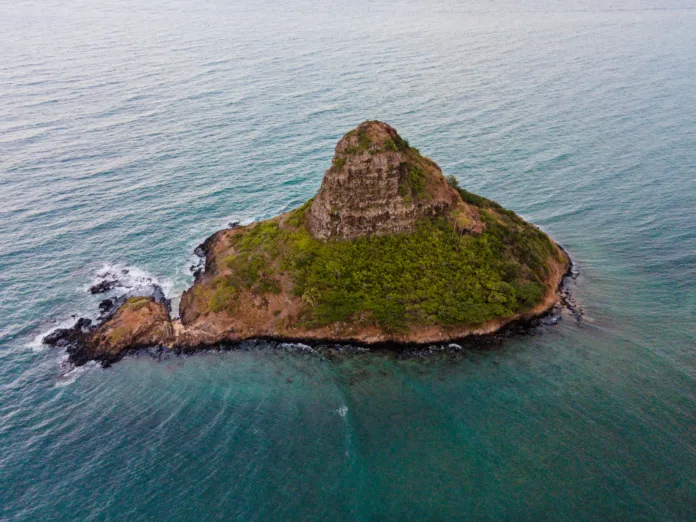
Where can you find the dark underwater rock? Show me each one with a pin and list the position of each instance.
(74, 335)
(103, 286)
(106, 306)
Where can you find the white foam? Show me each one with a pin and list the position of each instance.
(70, 373)
(342, 411)
(300, 347)
(130, 279)
(37, 345)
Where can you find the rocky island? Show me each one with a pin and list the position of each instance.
(388, 251)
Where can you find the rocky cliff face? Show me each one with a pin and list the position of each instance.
(377, 184)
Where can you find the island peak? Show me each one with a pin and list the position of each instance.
(378, 184)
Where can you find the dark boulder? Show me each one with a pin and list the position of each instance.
(103, 287)
(72, 336)
(106, 306)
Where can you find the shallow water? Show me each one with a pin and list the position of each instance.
(130, 132)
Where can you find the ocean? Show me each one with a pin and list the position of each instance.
(130, 131)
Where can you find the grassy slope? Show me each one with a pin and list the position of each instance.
(431, 276)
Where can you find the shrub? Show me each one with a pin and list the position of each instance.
(297, 217)
(401, 143)
(412, 184)
(363, 140)
(474, 199)
(224, 296)
(389, 145)
(431, 275)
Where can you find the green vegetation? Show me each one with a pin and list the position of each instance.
(136, 303)
(453, 181)
(363, 142)
(475, 199)
(117, 334)
(483, 203)
(249, 266)
(297, 216)
(224, 295)
(431, 276)
(395, 145)
(412, 183)
(389, 145)
(401, 143)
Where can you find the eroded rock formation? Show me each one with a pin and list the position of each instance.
(377, 184)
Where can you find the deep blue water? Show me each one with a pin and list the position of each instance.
(129, 131)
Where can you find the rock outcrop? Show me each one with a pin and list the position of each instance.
(138, 323)
(389, 251)
(377, 184)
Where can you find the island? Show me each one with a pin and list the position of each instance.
(388, 251)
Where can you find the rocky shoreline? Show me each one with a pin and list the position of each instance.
(76, 340)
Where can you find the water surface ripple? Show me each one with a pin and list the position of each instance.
(132, 130)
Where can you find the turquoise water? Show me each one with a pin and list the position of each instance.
(130, 132)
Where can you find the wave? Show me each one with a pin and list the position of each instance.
(37, 344)
(297, 347)
(69, 373)
(129, 280)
